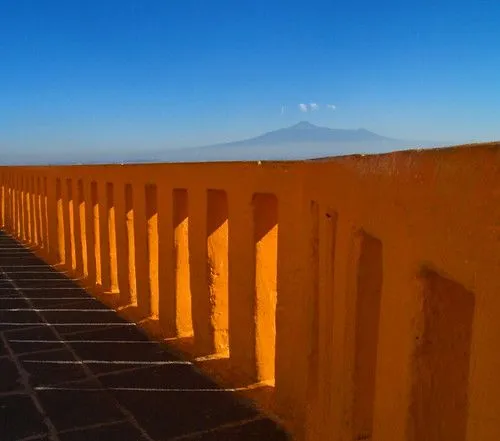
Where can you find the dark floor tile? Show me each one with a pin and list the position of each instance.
(8, 242)
(122, 351)
(15, 267)
(31, 274)
(9, 376)
(9, 292)
(108, 316)
(40, 272)
(74, 329)
(15, 254)
(121, 333)
(42, 282)
(8, 239)
(14, 303)
(34, 333)
(87, 384)
(155, 377)
(46, 273)
(27, 347)
(104, 352)
(17, 320)
(18, 261)
(115, 432)
(69, 409)
(3, 349)
(19, 317)
(81, 302)
(43, 373)
(167, 414)
(54, 293)
(13, 326)
(58, 355)
(259, 430)
(19, 418)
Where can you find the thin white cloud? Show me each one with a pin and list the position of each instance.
(283, 110)
(331, 106)
(313, 106)
(303, 107)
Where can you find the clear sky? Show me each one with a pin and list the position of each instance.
(152, 73)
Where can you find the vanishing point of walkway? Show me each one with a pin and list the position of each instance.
(72, 370)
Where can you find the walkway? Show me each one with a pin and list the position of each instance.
(71, 370)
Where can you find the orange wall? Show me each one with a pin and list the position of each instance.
(360, 292)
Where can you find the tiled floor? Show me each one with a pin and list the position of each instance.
(72, 370)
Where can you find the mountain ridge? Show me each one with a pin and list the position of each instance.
(300, 141)
(304, 131)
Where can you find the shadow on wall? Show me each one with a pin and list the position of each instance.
(441, 366)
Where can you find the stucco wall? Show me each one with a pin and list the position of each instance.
(359, 293)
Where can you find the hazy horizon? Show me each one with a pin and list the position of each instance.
(300, 141)
(121, 76)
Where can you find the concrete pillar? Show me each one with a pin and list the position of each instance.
(141, 251)
(122, 246)
(77, 192)
(242, 302)
(103, 225)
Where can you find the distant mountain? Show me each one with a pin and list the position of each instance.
(306, 132)
(300, 141)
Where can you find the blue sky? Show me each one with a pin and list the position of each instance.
(149, 74)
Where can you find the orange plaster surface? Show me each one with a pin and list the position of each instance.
(355, 298)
